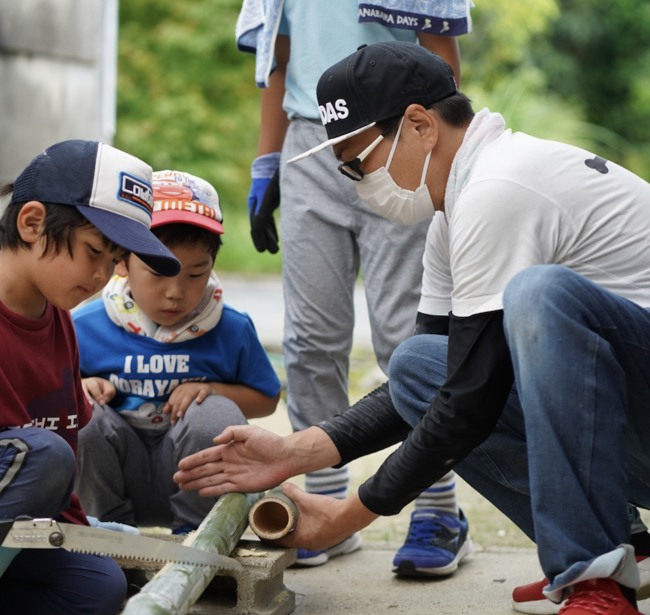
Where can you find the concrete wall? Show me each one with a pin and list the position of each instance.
(57, 76)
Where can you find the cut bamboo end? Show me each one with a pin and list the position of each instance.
(274, 515)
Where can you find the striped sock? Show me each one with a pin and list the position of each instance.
(440, 496)
(330, 481)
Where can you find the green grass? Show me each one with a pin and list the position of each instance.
(238, 252)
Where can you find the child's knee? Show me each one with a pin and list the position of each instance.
(213, 415)
(59, 460)
(48, 454)
(111, 587)
(39, 469)
(104, 586)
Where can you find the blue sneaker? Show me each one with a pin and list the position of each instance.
(436, 542)
(318, 558)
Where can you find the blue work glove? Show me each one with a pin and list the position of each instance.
(112, 525)
(263, 200)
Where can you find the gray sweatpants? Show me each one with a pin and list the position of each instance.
(125, 474)
(327, 234)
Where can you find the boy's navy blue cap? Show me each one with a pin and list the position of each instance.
(110, 188)
(378, 82)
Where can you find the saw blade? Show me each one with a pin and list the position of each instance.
(48, 534)
(83, 539)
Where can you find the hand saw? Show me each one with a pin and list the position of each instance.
(50, 534)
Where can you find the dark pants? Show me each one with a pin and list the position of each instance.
(36, 479)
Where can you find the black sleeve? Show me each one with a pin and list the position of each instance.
(431, 325)
(462, 415)
(370, 425)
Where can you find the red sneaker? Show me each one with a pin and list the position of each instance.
(530, 599)
(599, 597)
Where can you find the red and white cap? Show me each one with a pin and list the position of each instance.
(181, 197)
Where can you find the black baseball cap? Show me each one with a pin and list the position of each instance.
(109, 187)
(378, 82)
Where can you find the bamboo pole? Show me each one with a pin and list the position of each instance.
(178, 586)
(273, 515)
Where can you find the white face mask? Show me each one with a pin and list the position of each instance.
(380, 192)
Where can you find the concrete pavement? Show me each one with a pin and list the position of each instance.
(362, 583)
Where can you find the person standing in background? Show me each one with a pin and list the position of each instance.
(328, 233)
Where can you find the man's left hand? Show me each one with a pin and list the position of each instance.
(324, 521)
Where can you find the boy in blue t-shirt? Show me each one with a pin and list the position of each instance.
(176, 365)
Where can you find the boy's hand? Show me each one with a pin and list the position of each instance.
(183, 395)
(98, 389)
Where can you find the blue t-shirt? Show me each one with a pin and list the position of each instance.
(323, 32)
(145, 371)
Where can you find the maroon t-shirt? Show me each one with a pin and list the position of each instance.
(40, 379)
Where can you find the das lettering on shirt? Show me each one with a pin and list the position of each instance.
(39, 374)
(145, 371)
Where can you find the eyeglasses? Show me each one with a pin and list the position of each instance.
(352, 169)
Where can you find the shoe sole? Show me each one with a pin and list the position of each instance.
(537, 607)
(644, 576)
(349, 545)
(408, 569)
(310, 562)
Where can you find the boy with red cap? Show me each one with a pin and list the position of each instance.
(176, 365)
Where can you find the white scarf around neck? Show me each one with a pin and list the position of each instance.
(484, 128)
(125, 312)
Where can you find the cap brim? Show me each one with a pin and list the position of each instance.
(329, 142)
(175, 216)
(135, 237)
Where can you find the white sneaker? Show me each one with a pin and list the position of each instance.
(318, 558)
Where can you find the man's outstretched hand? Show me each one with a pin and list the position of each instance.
(247, 459)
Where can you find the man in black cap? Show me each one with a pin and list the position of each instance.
(533, 380)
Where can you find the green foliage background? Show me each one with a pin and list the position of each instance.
(576, 71)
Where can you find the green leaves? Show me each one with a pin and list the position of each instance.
(187, 100)
(572, 70)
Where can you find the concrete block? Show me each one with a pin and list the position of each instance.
(258, 590)
(58, 70)
(44, 101)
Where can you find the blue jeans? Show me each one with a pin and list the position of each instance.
(37, 470)
(572, 445)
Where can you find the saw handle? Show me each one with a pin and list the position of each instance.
(5, 526)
